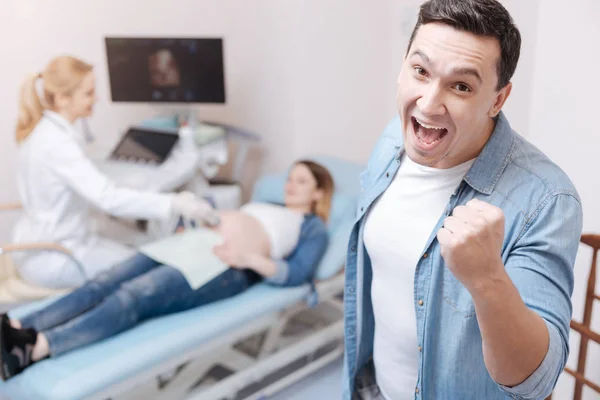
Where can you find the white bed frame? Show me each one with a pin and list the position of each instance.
(256, 360)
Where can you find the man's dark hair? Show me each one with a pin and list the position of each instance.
(480, 17)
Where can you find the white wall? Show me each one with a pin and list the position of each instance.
(348, 57)
(259, 88)
(262, 63)
(564, 125)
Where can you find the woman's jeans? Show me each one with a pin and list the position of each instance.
(120, 298)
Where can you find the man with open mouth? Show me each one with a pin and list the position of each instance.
(460, 263)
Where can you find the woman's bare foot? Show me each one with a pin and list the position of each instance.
(41, 349)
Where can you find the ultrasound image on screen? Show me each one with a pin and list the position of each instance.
(166, 70)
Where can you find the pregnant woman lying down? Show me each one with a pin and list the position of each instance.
(281, 245)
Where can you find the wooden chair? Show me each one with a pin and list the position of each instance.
(584, 327)
(13, 289)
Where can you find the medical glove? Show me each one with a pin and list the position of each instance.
(191, 207)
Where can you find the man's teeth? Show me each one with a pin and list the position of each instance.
(428, 126)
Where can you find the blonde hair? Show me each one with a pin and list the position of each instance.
(62, 76)
(322, 207)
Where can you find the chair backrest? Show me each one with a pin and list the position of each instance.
(13, 289)
(7, 268)
(270, 188)
(584, 327)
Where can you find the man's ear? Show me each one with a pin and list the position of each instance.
(501, 98)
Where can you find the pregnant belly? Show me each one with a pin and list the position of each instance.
(244, 232)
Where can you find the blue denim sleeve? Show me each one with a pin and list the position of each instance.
(541, 267)
(299, 267)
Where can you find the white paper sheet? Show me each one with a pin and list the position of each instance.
(191, 252)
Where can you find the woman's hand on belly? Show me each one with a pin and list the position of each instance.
(246, 244)
(231, 255)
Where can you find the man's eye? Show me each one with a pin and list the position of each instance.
(461, 87)
(420, 71)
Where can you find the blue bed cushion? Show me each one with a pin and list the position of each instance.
(83, 372)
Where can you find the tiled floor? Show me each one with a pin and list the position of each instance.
(324, 384)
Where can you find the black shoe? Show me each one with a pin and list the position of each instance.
(8, 365)
(16, 346)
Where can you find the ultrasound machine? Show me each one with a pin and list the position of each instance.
(162, 154)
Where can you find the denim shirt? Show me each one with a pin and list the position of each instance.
(543, 222)
(300, 265)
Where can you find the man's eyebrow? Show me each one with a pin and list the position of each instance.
(456, 71)
(422, 55)
(467, 71)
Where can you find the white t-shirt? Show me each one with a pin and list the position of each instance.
(281, 224)
(396, 232)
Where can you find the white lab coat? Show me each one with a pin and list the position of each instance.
(58, 185)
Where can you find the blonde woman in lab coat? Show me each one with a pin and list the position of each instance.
(58, 184)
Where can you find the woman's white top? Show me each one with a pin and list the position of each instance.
(281, 224)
